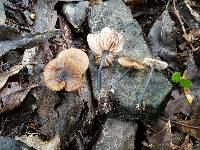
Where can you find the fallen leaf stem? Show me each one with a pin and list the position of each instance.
(99, 73)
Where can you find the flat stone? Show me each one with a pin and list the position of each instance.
(116, 135)
(115, 14)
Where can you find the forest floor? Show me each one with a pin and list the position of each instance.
(51, 96)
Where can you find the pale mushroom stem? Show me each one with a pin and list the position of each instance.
(147, 83)
(120, 78)
(99, 73)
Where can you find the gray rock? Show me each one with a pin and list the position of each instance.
(6, 143)
(115, 14)
(116, 135)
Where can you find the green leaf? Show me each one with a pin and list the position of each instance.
(185, 83)
(176, 77)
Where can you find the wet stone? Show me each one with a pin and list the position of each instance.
(115, 14)
(6, 143)
(116, 135)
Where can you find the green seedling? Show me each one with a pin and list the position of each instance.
(177, 78)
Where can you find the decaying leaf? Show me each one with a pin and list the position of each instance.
(187, 91)
(8, 32)
(35, 142)
(135, 3)
(194, 34)
(162, 139)
(12, 95)
(46, 16)
(178, 104)
(28, 59)
(162, 43)
(5, 75)
(187, 144)
(186, 14)
(76, 12)
(191, 126)
(28, 41)
(29, 55)
(196, 14)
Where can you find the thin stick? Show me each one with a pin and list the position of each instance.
(149, 78)
(120, 78)
(176, 12)
(181, 124)
(99, 73)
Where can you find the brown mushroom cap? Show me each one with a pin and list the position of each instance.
(107, 39)
(77, 55)
(59, 74)
(158, 64)
(131, 63)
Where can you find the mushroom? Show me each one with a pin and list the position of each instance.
(154, 64)
(129, 63)
(65, 71)
(77, 55)
(105, 46)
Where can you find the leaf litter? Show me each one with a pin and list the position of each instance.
(53, 109)
(13, 95)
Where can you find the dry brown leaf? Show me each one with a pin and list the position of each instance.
(5, 75)
(193, 35)
(35, 142)
(187, 144)
(12, 95)
(191, 126)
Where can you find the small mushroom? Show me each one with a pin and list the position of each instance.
(154, 64)
(129, 63)
(66, 71)
(105, 46)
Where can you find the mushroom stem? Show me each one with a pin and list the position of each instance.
(120, 78)
(148, 80)
(99, 73)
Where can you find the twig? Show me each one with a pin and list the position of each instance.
(176, 12)
(189, 126)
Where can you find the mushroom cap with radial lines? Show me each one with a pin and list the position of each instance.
(131, 63)
(157, 64)
(108, 39)
(59, 74)
(77, 55)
